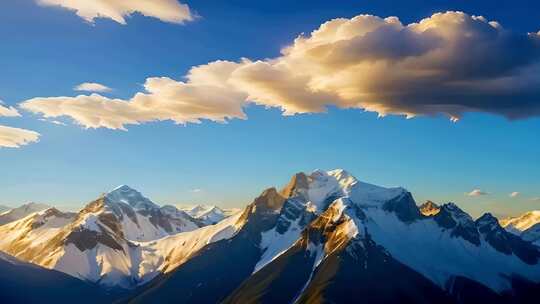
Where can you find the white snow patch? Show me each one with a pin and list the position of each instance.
(178, 248)
(274, 243)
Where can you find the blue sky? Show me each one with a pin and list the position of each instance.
(46, 51)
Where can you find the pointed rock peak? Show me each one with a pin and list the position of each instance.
(430, 204)
(454, 214)
(214, 209)
(198, 208)
(262, 213)
(487, 218)
(459, 222)
(298, 181)
(404, 207)
(452, 208)
(487, 222)
(130, 196)
(270, 199)
(123, 189)
(429, 208)
(203, 210)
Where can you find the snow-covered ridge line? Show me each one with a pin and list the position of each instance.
(522, 222)
(124, 239)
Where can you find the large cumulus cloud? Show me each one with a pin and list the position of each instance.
(448, 64)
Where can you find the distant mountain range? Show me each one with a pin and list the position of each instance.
(9, 215)
(526, 225)
(209, 215)
(326, 237)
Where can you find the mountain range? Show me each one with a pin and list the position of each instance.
(9, 215)
(325, 237)
(207, 214)
(526, 225)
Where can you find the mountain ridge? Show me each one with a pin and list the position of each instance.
(299, 244)
(356, 216)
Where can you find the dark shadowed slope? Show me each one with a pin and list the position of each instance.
(26, 283)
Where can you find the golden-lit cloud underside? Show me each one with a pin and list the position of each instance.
(15, 137)
(448, 64)
(117, 10)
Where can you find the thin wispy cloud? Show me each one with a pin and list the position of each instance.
(165, 10)
(55, 122)
(476, 192)
(448, 64)
(8, 111)
(196, 190)
(92, 87)
(535, 199)
(14, 137)
(514, 194)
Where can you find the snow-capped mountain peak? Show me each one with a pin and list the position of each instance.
(207, 214)
(521, 223)
(130, 196)
(197, 210)
(320, 188)
(526, 225)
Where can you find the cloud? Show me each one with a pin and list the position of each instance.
(535, 199)
(92, 87)
(514, 194)
(55, 122)
(196, 190)
(166, 10)
(8, 111)
(164, 99)
(448, 64)
(15, 137)
(476, 192)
